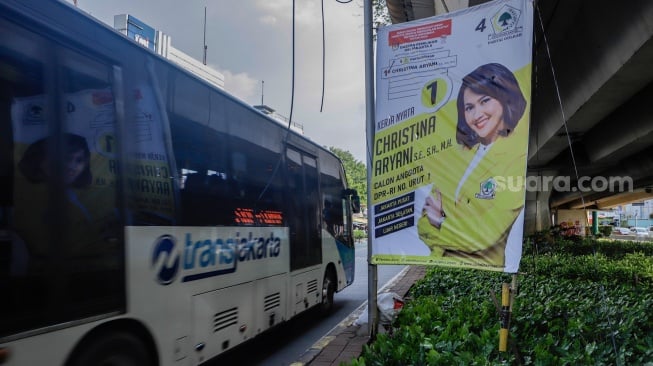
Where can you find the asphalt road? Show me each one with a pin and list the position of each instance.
(632, 237)
(285, 344)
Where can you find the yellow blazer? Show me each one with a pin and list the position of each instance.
(478, 222)
(88, 239)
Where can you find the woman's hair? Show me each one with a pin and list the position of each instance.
(31, 164)
(496, 81)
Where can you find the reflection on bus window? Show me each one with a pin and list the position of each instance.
(58, 205)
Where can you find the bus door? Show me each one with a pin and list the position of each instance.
(303, 211)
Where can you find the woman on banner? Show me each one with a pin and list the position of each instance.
(472, 208)
(85, 229)
(36, 167)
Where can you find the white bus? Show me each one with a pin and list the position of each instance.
(146, 217)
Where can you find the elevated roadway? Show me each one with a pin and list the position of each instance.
(602, 55)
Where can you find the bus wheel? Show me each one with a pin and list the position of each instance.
(328, 289)
(113, 349)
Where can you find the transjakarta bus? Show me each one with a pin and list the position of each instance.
(146, 217)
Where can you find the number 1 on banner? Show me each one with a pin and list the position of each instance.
(434, 92)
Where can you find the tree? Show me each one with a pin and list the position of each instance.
(359, 235)
(380, 15)
(356, 172)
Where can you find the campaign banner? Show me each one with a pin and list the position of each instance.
(450, 146)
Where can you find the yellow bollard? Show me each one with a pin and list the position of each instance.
(505, 317)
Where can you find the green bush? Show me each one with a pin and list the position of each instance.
(616, 249)
(584, 303)
(437, 329)
(359, 234)
(630, 269)
(562, 321)
(605, 230)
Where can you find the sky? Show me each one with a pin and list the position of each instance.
(250, 42)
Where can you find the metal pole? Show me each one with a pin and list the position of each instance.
(508, 293)
(205, 47)
(372, 279)
(505, 317)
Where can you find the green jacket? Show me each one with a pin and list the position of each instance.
(478, 222)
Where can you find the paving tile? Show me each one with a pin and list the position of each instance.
(321, 363)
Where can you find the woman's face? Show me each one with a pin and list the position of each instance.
(74, 164)
(484, 115)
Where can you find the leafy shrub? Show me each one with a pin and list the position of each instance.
(632, 268)
(437, 330)
(605, 230)
(560, 321)
(615, 249)
(359, 234)
(580, 303)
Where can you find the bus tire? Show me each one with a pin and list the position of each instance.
(113, 349)
(328, 289)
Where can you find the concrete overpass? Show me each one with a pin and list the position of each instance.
(602, 55)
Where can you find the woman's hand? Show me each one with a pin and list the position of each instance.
(433, 209)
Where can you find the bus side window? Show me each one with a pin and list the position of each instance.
(203, 200)
(256, 183)
(205, 193)
(58, 206)
(13, 254)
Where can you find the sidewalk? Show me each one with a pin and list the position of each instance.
(345, 342)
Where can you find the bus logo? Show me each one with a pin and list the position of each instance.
(164, 247)
(199, 258)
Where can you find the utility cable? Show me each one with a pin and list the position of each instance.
(573, 159)
(323, 57)
(324, 50)
(292, 91)
(292, 84)
(562, 111)
(446, 8)
(292, 102)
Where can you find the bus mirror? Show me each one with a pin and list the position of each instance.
(355, 199)
(356, 203)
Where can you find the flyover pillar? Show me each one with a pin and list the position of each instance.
(537, 214)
